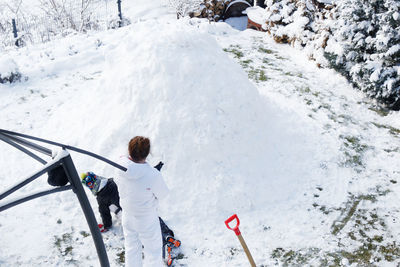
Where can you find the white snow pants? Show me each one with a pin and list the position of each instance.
(143, 229)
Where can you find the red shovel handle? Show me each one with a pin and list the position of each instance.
(236, 228)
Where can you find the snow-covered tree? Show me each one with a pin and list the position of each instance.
(290, 21)
(9, 72)
(365, 47)
(358, 38)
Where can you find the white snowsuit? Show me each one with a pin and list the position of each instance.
(141, 186)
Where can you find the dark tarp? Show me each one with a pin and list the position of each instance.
(236, 8)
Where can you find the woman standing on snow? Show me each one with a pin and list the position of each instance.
(141, 187)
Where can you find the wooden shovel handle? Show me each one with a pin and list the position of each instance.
(239, 235)
(246, 249)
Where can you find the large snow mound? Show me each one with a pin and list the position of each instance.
(220, 141)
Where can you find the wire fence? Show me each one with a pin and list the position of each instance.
(50, 19)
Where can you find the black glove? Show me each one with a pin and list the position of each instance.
(159, 166)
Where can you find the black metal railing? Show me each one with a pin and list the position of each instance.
(63, 159)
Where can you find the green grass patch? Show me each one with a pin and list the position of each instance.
(351, 160)
(235, 50)
(365, 247)
(325, 210)
(281, 58)
(265, 50)
(292, 257)
(84, 233)
(64, 244)
(390, 251)
(289, 74)
(267, 62)
(304, 90)
(316, 94)
(353, 152)
(262, 76)
(345, 118)
(350, 211)
(347, 214)
(245, 63)
(391, 150)
(121, 257)
(383, 112)
(257, 75)
(392, 130)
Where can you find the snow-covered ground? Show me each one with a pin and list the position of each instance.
(306, 162)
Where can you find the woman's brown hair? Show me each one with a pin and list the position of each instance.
(139, 148)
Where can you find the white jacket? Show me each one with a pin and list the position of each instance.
(140, 188)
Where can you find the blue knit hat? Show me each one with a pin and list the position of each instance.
(89, 179)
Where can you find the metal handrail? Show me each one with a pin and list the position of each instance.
(7, 139)
(33, 196)
(79, 150)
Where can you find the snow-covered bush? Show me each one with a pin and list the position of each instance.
(9, 72)
(358, 38)
(290, 21)
(75, 15)
(301, 23)
(185, 7)
(367, 33)
(116, 23)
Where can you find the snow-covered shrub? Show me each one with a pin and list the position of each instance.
(185, 7)
(365, 46)
(116, 23)
(74, 15)
(358, 38)
(9, 72)
(290, 21)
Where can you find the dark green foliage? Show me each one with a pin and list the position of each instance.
(369, 33)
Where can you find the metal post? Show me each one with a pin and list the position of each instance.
(75, 181)
(15, 32)
(119, 13)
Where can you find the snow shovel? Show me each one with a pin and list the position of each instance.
(239, 235)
